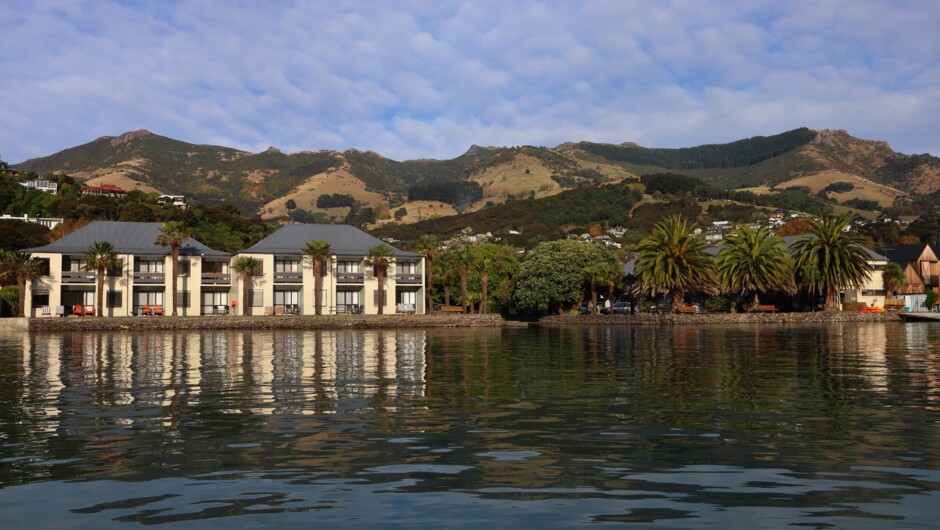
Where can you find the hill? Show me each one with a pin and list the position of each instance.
(830, 164)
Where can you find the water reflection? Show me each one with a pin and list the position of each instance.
(561, 425)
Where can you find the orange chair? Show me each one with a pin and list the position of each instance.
(158, 310)
(146, 310)
(78, 310)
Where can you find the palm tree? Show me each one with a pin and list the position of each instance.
(463, 260)
(173, 234)
(430, 246)
(672, 260)
(247, 266)
(611, 274)
(22, 267)
(830, 259)
(380, 257)
(893, 277)
(596, 273)
(317, 252)
(100, 256)
(754, 260)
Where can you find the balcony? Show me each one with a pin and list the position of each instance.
(151, 278)
(408, 279)
(78, 277)
(216, 278)
(350, 277)
(288, 277)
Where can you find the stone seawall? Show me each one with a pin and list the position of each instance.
(269, 322)
(721, 318)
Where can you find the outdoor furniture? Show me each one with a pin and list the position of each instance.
(688, 309)
(279, 310)
(89, 310)
(78, 310)
(452, 308)
(60, 310)
(766, 308)
(268, 311)
(146, 311)
(46, 310)
(158, 310)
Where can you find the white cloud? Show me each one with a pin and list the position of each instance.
(427, 79)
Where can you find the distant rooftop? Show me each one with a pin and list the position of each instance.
(346, 240)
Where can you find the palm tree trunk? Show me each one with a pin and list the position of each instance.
(610, 295)
(485, 280)
(463, 288)
(246, 277)
(318, 285)
(21, 284)
(593, 297)
(446, 294)
(755, 301)
(100, 294)
(381, 277)
(677, 296)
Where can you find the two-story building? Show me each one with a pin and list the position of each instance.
(286, 284)
(142, 278)
(206, 284)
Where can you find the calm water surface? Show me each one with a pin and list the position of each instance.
(813, 426)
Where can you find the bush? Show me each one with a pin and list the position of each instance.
(853, 306)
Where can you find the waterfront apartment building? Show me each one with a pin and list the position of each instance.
(286, 284)
(208, 286)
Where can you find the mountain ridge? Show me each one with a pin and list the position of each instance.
(263, 182)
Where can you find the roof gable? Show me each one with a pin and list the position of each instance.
(345, 240)
(127, 238)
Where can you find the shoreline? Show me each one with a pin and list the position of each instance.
(436, 320)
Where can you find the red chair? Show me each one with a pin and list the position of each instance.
(78, 310)
(89, 310)
(158, 310)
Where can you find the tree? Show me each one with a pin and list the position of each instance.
(893, 278)
(317, 252)
(753, 260)
(380, 257)
(489, 258)
(612, 275)
(930, 300)
(23, 268)
(605, 272)
(830, 259)
(673, 260)
(552, 277)
(464, 261)
(430, 246)
(793, 227)
(99, 257)
(173, 234)
(290, 205)
(247, 266)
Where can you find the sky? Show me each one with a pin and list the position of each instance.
(429, 78)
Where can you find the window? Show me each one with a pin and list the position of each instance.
(117, 270)
(40, 298)
(254, 298)
(407, 297)
(142, 265)
(214, 302)
(148, 298)
(286, 265)
(375, 296)
(73, 264)
(114, 299)
(408, 267)
(184, 268)
(44, 266)
(347, 266)
(182, 298)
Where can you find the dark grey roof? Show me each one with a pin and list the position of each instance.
(904, 254)
(346, 240)
(127, 238)
(872, 255)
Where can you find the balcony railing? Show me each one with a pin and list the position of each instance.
(78, 277)
(216, 278)
(288, 277)
(406, 279)
(149, 277)
(349, 277)
(348, 309)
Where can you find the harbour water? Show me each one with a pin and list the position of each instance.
(746, 426)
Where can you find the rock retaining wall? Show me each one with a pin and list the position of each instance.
(269, 322)
(721, 318)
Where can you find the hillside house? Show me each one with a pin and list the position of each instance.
(103, 190)
(43, 185)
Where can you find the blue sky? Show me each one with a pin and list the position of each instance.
(426, 79)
